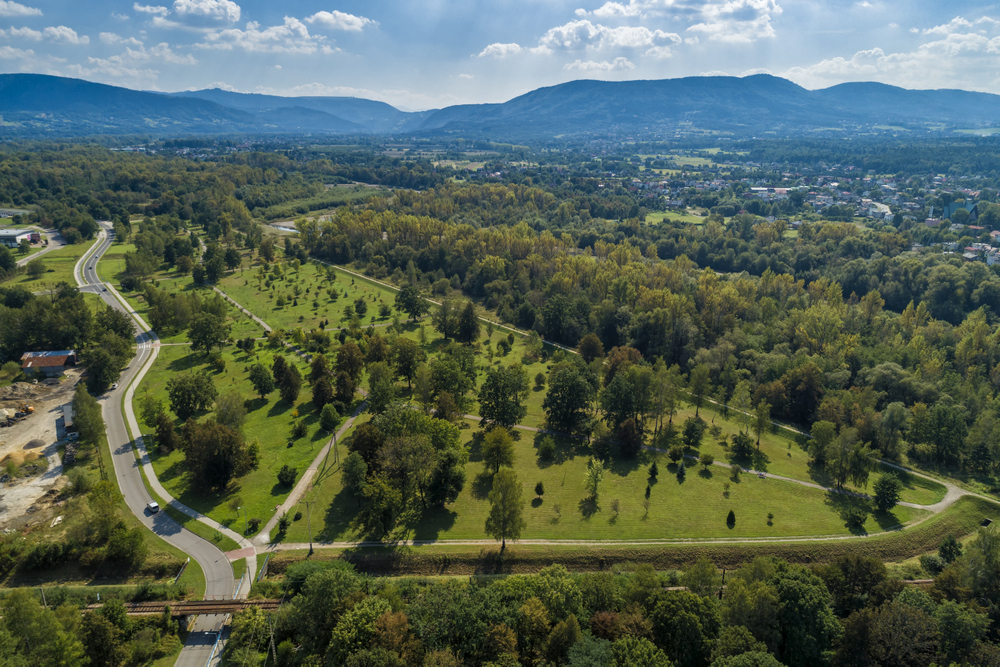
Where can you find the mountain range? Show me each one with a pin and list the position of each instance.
(34, 105)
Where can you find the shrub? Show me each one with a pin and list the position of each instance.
(933, 565)
(731, 518)
(539, 380)
(654, 470)
(299, 429)
(770, 518)
(284, 522)
(254, 524)
(539, 489)
(286, 476)
(546, 449)
(616, 506)
(856, 516)
(676, 453)
(950, 549)
(298, 515)
(735, 472)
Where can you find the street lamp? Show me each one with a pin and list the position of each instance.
(246, 528)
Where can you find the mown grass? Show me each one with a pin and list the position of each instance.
(694, 506)
(313, 305)
(961, 519)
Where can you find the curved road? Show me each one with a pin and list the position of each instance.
(219, 580)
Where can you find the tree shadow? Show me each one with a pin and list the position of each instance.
(589, 506)
(705, 473)
(278, 408)
(820, 475)
(432, 522)
(623, 467)
(482, 485)
(475, 447)
(842, 504)
(536, 502)
(887, 520)
(256, 404)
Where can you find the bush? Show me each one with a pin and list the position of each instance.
(856, 516)
(546, 448)
(539, 380)
(299, 429)
(933, 565)
(254, 524)
(734, 472)
(287, 474)
(79, 481)
(298, 515)
(676, 453)
(284, 522)
(539, 489)
(654, 470)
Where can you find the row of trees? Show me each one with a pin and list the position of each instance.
(847, 612)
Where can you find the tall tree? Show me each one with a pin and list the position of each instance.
(409, 301)
(262, 380)
(502, 395)
(699, 385)
(497, 449)
(467, 329)
(506, 519)
(190, 393)
(762, 420)
(208, 331)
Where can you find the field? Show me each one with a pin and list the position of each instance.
(59, 266)
(465, 560)
(313, 304)
(657, 217)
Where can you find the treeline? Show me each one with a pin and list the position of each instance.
(767, 613)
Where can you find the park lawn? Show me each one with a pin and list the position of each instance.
(314, 305)
(268, 421)
(59, 266)
(781, 455)
(693, 508)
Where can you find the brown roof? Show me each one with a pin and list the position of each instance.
(46, 359)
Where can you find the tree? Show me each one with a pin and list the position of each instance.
(36, 268)
(692, 432)
(166, 437)
(322, 392)
(887, 491)
(497, 449)
(467, 329)
(568, 398)
(590, 347)
(207, 331)
(593, 476)
(629, 651)
(361, 307)
(950, 549)
(805, 617)
(539, 489)
(355, 474)
(104, 643)
(230, 410)
(685, 626)
(215, 453)
(190, 393)
(702, 578)
(699, 386)
(762, 420)
(262, 380)
(381, 387)
(407, 356)
(286, 476)
(445, 319)
(506, 518)
(409, 301)
(850, 459)
(329, 418)
(349, 366)
(502, 395)
(741, 403)
(290, 384)
(319, 368)
(823, 434)
(706, 460)
(115, 321)
(36, 633)
(103, 369)
(630, 438)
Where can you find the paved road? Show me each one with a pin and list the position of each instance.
(55, 241)
(218, 571)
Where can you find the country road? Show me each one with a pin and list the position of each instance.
(218, 571)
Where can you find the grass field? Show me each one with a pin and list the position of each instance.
(268, 421)
(693, 507)
(657, 217)
(459, 560)
(313, 304)
(59, 268)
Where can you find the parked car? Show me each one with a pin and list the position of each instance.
(153, 507)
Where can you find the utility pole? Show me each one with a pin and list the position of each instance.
(308, 504)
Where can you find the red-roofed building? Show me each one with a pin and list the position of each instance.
(49, 364)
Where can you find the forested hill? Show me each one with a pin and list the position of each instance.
(39, 105)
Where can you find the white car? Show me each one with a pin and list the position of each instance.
(114, 385)
(153, 507)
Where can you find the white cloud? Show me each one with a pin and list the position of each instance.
(119, 17)
(105, 71)
(660, 52)
(612, 10)
(864, 4)
(17, 9)
(222, 86)
(738, 21)
(958, 24)
(715, 72)
(150, 9)
(498, 50)
(113, 38)
(584, 34)
(341, 21)
(756, 70)
(10, 53)
(290, 37)
(619, 64)
(59, 34)
(216, 10)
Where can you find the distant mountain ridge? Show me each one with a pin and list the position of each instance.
(42, 105)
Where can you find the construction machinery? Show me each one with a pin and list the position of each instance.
(25, 408)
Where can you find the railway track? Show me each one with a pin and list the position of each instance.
(193, 607)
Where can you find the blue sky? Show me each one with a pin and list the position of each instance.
(432, 53)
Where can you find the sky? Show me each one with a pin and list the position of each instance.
(434, 53)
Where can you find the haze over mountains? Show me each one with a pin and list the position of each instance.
(35, 105)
